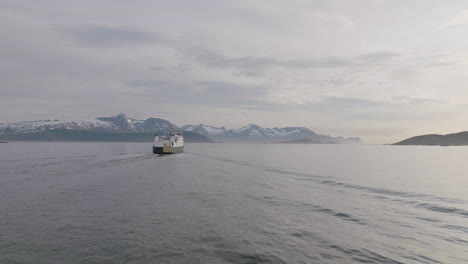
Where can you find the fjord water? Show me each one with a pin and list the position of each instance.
(223, 203)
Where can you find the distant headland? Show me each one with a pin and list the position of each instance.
(455, 139)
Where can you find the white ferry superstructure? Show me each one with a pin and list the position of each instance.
(168, 144)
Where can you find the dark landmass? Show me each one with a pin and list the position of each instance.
(98, 136)
(456, 139)
(304, 141)
(3, 142)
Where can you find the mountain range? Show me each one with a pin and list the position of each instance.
(114, 128)
(118, 123)
(255, 133)
(123, 128)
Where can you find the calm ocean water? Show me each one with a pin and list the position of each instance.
(222, 203)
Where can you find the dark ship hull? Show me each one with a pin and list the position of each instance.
(167, 150)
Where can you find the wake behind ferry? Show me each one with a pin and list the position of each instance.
(168, 144)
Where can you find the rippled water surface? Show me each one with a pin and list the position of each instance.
(221, 203)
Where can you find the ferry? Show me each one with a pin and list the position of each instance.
(168, 144)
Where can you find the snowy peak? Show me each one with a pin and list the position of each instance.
(248, 128)
(120, 122)
(205, 130)
(257, 131)
(157, 124)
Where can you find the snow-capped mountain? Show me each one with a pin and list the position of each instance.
(255, 133)
(114, 128)
(205, 130)
(119, 123)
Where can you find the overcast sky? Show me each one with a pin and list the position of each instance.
(382, 70)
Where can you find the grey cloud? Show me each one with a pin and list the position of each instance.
(415, 101)
(252, 66)
(397, 108)
(307, 63)
(203, 92)
(379, 56)
(202, 55)
(252, 97)
(438, 61)
(330, 82)
(248, 73)
(211, 58)
(444, 64)
(394, 101)
(347, 102)
(98, 35)
(244, 62)
(147, 83)
(177, 69)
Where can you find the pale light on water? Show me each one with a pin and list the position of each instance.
(222, 203)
